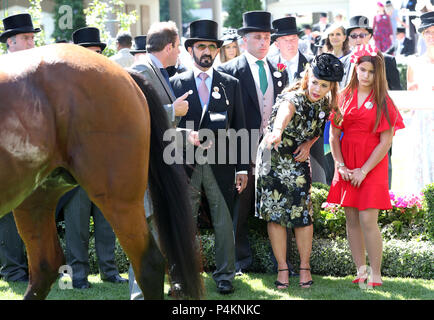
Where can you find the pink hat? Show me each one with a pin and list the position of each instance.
(380, 4)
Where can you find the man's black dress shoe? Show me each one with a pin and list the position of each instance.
(80, 284)
(239, 272)
(175, 290)
(224, 287)
(115, 279)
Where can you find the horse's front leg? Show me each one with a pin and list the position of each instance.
(37, 227)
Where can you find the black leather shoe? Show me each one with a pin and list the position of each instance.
(80, 284)
(115, 279)
(224, 287)
(175, 290)
(239, 272)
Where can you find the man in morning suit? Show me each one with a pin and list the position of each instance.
(260, 84)
(215, 104)
(19, 35)
(162, 46)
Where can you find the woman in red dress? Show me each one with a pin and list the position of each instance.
(368, 120)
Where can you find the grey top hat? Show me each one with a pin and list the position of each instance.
(256, 21)
(88, 37)
(203, 30)
(426, 21)
(357, 22)
(139, 45)
(284, 27)
(16, 24)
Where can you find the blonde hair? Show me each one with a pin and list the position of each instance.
(223, 57)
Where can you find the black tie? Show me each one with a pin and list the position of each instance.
(166, 77)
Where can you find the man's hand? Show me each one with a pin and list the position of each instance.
(193, 138)
(241, 182)
(180, 105)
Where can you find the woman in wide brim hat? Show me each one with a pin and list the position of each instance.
(88, 37)
(203, 30)
(16, 24)
(230, 48)
(256, 21)
(336, 40)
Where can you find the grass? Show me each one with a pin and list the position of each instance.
(252, 287)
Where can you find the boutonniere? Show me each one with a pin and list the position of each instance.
(369, 105)
(215, 93)
(280, 68)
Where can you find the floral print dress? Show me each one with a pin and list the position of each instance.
(283, 184)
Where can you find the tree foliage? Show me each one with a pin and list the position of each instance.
(78, 18)
(236, 8)
(186, 7)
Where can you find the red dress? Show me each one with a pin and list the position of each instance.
(357, 144)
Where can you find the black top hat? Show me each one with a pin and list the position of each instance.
(358, 22)
(284, 27)
(88, 37)
(139, 45)
(230, 36)
(203, 30)
(256, 21)
(427, 20)
(327, 67)
(16, 24)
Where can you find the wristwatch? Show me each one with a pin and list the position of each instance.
(341, 164)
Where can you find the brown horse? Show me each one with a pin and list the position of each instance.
(70, 116)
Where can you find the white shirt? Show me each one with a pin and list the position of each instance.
(291, 66)
(255, 69)
(123, 58)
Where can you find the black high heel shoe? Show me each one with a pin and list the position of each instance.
(278, 284)
(308, 284)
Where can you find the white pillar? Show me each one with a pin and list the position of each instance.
(175, 13)
(217, 14)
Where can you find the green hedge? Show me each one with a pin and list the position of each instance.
(428, 192)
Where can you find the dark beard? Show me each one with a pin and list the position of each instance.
(206, 61)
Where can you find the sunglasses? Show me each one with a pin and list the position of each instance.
(202, 47)
(361, 35)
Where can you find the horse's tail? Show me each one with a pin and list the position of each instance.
(171, 201)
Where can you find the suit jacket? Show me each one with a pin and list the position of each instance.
(302, 61)
(405, 49)
(153, 74)
(229, 116)
(392, 73)
(239, 68)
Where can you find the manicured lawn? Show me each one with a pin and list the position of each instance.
(252, 287)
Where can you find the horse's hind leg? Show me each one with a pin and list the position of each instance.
(129, 225)
(36, 224)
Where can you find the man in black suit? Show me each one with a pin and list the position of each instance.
(215, 104)
(359, 32)
(402, 45)
(19, 35)
(77, 209)
(260, 84)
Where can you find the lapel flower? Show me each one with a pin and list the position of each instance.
(280, 68)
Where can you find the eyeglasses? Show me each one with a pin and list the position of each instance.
(202, 47)
(361, 35)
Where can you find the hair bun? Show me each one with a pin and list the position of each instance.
(327, 67)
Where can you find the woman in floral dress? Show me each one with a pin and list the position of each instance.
(283, 175)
